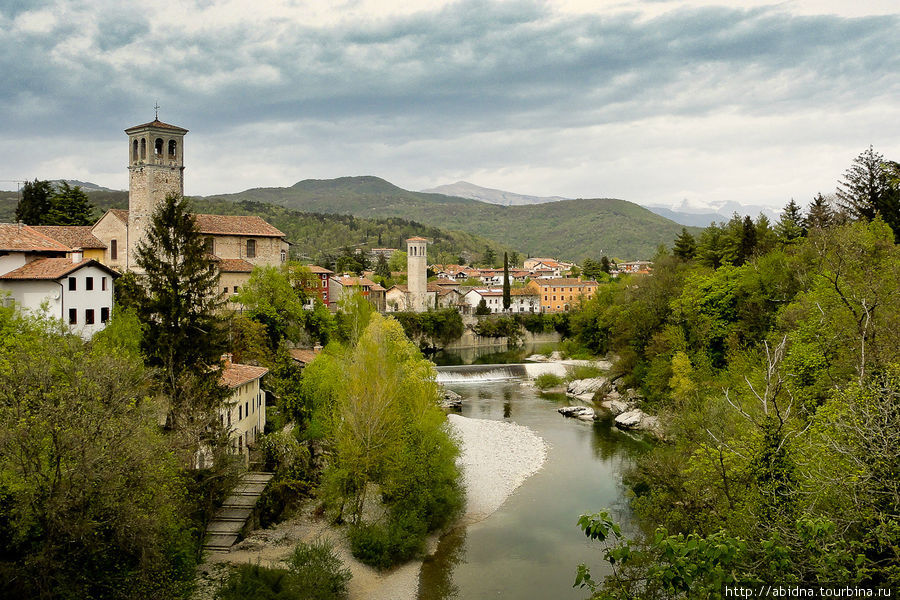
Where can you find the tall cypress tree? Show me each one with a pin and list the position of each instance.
(185, 336)
(507, 299)
(35, 203)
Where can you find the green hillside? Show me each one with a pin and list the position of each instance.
(314, 234)
(570, 229)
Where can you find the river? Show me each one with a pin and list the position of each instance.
(529, 549)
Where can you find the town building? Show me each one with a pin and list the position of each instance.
(44, 276)
(522, 300)
(243, 414)
(343, 286)
(318, 285)
(564, 293)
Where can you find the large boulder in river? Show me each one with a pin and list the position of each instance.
(450, 399)
(584, 413)
(585, 387)
(537, 358)
(631, 419)
(615, 407)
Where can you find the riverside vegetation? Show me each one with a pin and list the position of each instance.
(772, 355)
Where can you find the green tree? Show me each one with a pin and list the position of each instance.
(91, 502)
(514, 259)
(488, 257)
(863, 190)
(482, 308)
(382, 269)
(507, 299)
(790, 224)
(35, 203)
(270, 299)
(69, 206)
(748, 240)
(685, 245)
(398, 261)
(185, 333)
(820, 215)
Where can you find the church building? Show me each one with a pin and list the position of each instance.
(156, 169)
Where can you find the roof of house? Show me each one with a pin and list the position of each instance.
(52, 268)
(445, 281)
(317, 269)
(233, 265)
(73, 236)
(566, 281)
(236, 374)
(354, 281)
(236, 225)
(303, 355)
(224, 224)
(416, 239)
(157, 124)
(15, 236)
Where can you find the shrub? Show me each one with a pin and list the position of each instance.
(547, 380)
(583, 372)
(318, 571)
(383, 546)
(255, 581)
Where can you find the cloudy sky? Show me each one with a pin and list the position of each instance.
(652, 101)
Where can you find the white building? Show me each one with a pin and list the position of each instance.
(38, 276)
(244, 412)
(522, 300)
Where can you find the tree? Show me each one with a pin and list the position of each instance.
(398, 261)
(790, 224)
(185, 336)
(482, 308)
(748, 240)
(69, 206)
(488, 257)
(865, 186)
(685, 245)
(820, 215)
(604, 265)
(95, 510)
(381, 268)
(514, 258)
(507, 300)
(270, 299)
(35, 203)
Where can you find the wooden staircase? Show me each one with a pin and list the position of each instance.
(223, 531)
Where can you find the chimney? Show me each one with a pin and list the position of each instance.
(317, 348)
(226, 359)
(77, 255)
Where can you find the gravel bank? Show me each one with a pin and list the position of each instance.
(496, 457)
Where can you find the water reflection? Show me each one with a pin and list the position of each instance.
(437, 571)
(482, 356)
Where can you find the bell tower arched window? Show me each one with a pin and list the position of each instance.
(158, 147)
(143, 148)
(134, 151)
(172, 145)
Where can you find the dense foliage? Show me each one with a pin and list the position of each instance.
(773, 359)
(53, 203)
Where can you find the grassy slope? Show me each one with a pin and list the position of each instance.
(572, 229)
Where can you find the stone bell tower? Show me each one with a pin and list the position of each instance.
(416, 273)
(156, 169)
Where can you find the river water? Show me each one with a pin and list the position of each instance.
(529, 549)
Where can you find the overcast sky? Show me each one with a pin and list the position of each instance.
(649, 101)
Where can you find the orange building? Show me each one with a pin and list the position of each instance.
(319, 284)
(563, 293)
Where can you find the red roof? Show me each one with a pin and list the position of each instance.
(303, 355)
(52, 268)
(235, 374)
(416, 239)
(319, 270)
(73, 236)
(156, 123)
(24, 238)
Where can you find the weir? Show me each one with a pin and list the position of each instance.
(499, 372)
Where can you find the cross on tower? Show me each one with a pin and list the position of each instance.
(156, 108)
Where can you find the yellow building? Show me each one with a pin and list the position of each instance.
(563, 293)
(244, 413)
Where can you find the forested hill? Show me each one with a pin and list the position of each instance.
(313, 234)
(571, 229)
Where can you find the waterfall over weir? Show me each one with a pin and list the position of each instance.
(502, 372)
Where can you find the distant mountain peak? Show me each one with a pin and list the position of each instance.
(464, 189)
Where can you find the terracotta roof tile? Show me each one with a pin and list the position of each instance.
(120, 213)
(319, 270)
(236, 374)
(566, 281)
(303, 355)
(73, 236)
(416, 239)
(23, 238)
(236, 225)
(52, 268)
